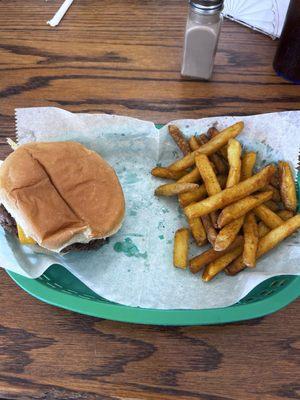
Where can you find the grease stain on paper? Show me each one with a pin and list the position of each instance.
(129, 248)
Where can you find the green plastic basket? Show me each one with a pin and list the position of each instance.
(60, 288)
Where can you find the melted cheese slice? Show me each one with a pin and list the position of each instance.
(23, 238)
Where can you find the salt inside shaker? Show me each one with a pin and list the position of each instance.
(201, 38)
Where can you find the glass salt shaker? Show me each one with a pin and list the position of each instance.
(201, 38)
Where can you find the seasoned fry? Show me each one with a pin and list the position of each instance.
(219, 164)
(198, 230)
(228, 234)
(214, 218)
(241, 207)
(248, 163)
(236, 266)
(210, 255)
(251, 240)
(214, 267)
(181, 248)
(234, 152)
(209, 148)
(209, 228)
(230, 195)
(179, 139)
(277, 235)
(271, 219)
(272, 205)
(193, 142)
(287, 186)
(285, 214)
(191, 177)
(165, 173)
(213, 132)
(171, 189)
(275, 180)
(262, 229)
(207, 174)
(190, 197)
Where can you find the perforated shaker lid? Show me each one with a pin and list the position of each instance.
(207, 5)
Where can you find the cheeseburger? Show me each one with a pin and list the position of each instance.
(60, 196)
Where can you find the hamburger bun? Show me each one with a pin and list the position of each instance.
(61, 193)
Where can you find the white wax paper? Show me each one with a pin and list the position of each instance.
(135, 268)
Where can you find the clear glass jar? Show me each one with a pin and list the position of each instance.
(201, 38)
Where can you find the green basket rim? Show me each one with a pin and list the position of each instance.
(118, 312)
(122, 313)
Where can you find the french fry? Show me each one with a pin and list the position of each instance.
(214, 267)
(214, 218)
(230, 195)
(198, 230)
(209, 228)
(272, 205)
(193, 142)
(248, 163)
(219, 164)
(276, 193)
(236, 266)
(171, 189)
(179, 139)
(285, 214)
(234, 152)
(207, 174)
(228, 234)
(241, 207)
(161, 172)
(213, 132)
(209, 148)
(251, 240)
(210, 255)
(277, 235)
(270, 219)
(275, 180)
(262, 229)
(191, 177)
(287, 186)
(181, 248)
(190, 197)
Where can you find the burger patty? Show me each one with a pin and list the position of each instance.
(9, 224)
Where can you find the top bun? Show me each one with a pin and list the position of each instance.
(61, 193)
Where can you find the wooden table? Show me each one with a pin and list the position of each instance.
(124, 57)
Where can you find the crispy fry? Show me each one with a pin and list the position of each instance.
(275, 180)
(210, 255)
(202, 139)
(228, 234)
(234, 152)
(248, 163)
(171, 189)
(272, 205)
(214, 218)
(191, 177)
(262, 229)
(179, 139)
(241, 207)
(236, 266)
(277, 235)
(209, 148)
(190, 197)
(193, 142)
(213, 268)
(181, 248)
(285, 214)
(207, 174)
(271, 219)
(287, 186)
(217, 161)
(213, 132)
(230, 195)
(276, 194)
(209, 228)
(162, 172)
(198, 230)
(251, 240)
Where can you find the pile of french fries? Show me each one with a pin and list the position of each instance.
(241, 214)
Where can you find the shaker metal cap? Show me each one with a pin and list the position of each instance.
(207, 5)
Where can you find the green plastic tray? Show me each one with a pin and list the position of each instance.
(60, 288)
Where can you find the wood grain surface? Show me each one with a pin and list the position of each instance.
(124, 57)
